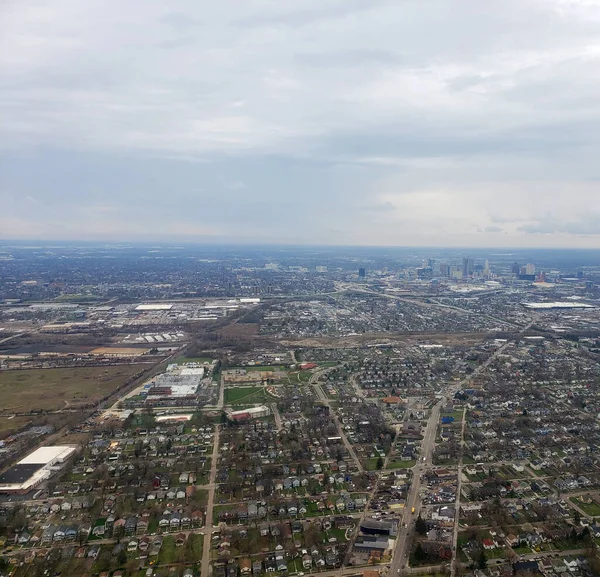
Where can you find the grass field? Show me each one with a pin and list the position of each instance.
(168, 553)
(371, 464)
(245, 395)
(272, 368)
(592, 509)
(53, 389)
(401, 464)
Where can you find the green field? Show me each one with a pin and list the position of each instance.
(592, 509)
(296, 377)
(371, 464)
(53, 389)
(168, 552)
(401, 464)
(245, 395)
(272, 368)
(456, 414)
(193, 548)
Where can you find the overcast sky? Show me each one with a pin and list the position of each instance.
(421, 122)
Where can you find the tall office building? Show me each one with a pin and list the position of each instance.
(362, 273)
(468, 267)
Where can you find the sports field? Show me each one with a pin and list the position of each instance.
(53, 389)
(245, 395)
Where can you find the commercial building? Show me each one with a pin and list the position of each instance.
(374, 527)
(557, 305)
(247, 414)
(38, 466)
(154, 307)
(372, 542)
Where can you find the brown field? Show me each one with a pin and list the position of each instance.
(10, 426)
(240, 330)
(53, 389)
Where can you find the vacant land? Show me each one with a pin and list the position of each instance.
(10, 426)
(183, 359)
(592, 509)
(53, 389)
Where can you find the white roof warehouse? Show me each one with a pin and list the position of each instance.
(29, 472)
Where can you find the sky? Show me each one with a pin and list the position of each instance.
(341, 122)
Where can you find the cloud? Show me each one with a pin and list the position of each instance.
(493, 229)
(438, 122)
(586, 225)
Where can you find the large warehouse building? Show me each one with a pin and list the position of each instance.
(38, 466)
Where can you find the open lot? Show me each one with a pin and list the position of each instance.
(592, 508)
(53, 389)
(10, 426)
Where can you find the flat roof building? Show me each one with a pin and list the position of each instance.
(29, 472)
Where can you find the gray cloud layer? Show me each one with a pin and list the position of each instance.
(337, 121)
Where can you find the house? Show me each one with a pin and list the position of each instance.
(142, 527)
(93, 552)
(571, 563)
(270, 564)
(257, 567)
(130, 525)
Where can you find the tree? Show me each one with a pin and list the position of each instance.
(122, 557)
(420, 525)
(118, 533)
(420, 554)
(577, 518)
(379, 464)
(482, 560)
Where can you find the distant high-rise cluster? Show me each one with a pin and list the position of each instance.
(468, 267)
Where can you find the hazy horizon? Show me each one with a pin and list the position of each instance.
(331, 123)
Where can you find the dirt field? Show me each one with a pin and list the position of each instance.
(53, 389)
(240, 331)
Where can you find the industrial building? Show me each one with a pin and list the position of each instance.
(38, 466)
(557, 305)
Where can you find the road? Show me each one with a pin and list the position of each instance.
(401, 552)
(323, 398)
(458, 490)
(277, 416)
(208, 522)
